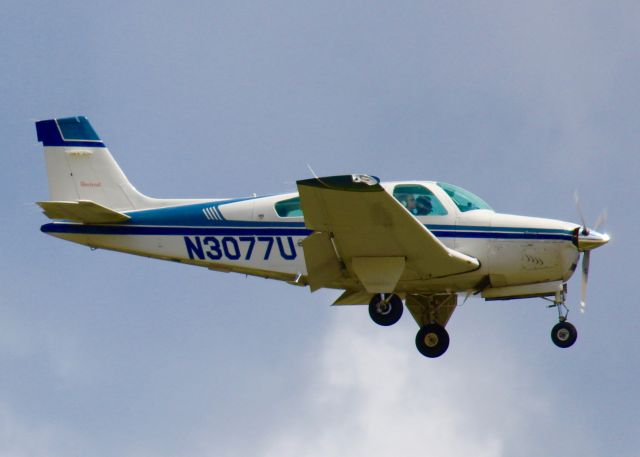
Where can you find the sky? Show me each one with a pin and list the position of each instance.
(521, 102)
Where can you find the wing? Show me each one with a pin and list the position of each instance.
(364, 233)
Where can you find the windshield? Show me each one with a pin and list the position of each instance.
(464, 200)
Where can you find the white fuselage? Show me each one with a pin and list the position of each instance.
(249, 236)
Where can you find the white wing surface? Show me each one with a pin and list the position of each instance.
(364, 233)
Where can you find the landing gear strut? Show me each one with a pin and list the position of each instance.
(563, 334)
(385, 310)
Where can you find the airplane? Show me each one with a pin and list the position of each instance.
(388, 245)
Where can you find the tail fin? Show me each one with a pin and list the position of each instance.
(80, 167)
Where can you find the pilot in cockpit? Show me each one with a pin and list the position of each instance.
(418, 206)
(410, 203)
(423, 206)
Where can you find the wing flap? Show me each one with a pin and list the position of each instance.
(378, 274)
(322, 264)
(85, 211)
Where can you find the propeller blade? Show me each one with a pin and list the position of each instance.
(602, 218)
(586, 257)
(585, 230)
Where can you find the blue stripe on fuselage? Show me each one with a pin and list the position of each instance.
(295, 229)
(529, 235)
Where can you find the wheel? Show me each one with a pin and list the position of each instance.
(564, 334)
(432, 340)
(385, 311)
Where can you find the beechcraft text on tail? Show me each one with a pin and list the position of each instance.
(388, 245)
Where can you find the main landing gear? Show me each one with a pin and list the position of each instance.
(385, 310)
(432, 339)
(563, 334)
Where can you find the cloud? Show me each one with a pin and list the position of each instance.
(21, 439)
(379, 398)
(373, 395)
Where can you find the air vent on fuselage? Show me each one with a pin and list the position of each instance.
(212, 213)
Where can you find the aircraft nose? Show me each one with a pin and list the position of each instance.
(590, 239)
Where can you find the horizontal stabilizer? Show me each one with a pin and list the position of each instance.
(84, 211)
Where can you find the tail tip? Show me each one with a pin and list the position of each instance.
(68, 131)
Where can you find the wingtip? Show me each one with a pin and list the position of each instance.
(354, 182)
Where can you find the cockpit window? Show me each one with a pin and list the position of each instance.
(464, 200)
(418, 200)
(289, 208)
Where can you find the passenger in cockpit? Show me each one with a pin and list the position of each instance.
(411, 203)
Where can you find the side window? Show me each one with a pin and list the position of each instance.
(418, 200)
(289, 208)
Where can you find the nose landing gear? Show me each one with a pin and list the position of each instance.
(563, 334)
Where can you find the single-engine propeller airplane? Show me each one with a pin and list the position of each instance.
(386, 245)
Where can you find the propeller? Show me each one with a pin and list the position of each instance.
(602, 218)
(586, 255)
(585, 229)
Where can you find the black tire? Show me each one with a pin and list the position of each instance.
(385, 314)
(564, 334)
(432, 340)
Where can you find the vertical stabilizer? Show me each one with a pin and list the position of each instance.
(80, 167)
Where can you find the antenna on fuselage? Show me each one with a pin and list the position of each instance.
(316, 176)
(313, 172)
